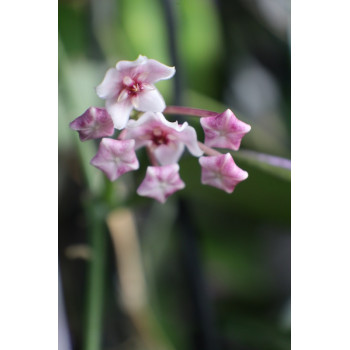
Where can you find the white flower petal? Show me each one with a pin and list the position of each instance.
(125, 66)
(150, 100)
(161, 182)
(119, 111)
(169, 154)
(110, 86)
(189, 137)
(157, 71)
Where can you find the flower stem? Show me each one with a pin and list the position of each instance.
(122, 134)
(207, 150)
(151, 157)
(189, 111)
(96, 277)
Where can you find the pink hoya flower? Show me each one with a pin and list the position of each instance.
(224, 130)
(165, 139)
(161, 182)
(93, 124)
(130, 85)
(115, 157)
(221, 172)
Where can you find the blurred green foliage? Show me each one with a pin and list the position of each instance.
(243, 238)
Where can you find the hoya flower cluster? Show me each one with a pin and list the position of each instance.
(130, 85)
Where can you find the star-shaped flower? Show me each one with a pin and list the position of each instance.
(221, 172)
(165, 139)
(93, 124)
(224, 130)
(115, 157)
(161, 182)
(130, 85)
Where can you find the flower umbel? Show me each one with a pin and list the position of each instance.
(160, 182)
(130, 85)
(115, 157)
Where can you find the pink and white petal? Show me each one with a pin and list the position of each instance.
(145, 119)
(154, 119)
(150, 100)
(111, 85)
(103, 160)
(126, 67)
(220, 141)
(150, 186)
(141, 129)
(175, 126)
(170, 153)
(119, 111)
(230, 169)
(221, 172)
(189, 137)
(155, 71)
(108, 168)
(94, 123)
(224, 130)
(160, 182)
(115, 157)
(234, 140)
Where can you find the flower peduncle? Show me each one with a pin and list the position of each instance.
(122, 134)
(152, 157)
(207, 150)
(189, 111)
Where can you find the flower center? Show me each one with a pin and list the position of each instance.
(132, 86)
(135, 88)
(159, 137)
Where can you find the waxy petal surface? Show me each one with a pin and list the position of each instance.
(94, 123)
(149, 100)
(110, 86)
(120, 112)
(115, 157)
(169, 154)
(157, 71)
(161, 182)
(129, 66)
(224, 131)
(221, 172)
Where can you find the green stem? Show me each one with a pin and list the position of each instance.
(96, 277)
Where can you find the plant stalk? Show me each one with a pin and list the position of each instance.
(195, 112)
(96, 277)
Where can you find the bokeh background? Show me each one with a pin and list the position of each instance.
(207, 270)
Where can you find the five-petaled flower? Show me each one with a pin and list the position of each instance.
(130, 85)
(94, 123)
(160, 182)
(115, 157)
(224, 131)
(166, 140)
(222, 172)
